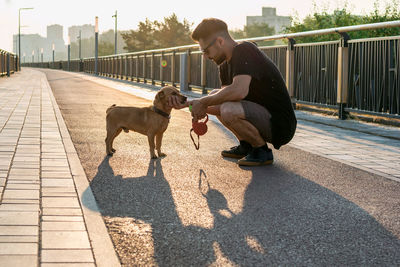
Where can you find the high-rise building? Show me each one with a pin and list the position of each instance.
(87, 32)
(269, 17)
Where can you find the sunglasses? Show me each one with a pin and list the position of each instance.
(205, 50)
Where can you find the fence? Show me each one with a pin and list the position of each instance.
(349, 75)
(8, 63)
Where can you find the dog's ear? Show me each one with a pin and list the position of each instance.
(160, 94)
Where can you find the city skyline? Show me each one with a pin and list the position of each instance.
(42, 15)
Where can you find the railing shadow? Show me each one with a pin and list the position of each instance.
(285, 220)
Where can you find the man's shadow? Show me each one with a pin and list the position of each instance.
(285, 220)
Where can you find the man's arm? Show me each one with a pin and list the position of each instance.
(233, 92)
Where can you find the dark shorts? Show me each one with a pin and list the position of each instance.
(260, 117)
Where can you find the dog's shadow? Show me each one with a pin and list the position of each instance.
(285, 220)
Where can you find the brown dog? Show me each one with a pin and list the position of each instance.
(151, 121)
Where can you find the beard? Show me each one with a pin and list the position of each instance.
(219, 59)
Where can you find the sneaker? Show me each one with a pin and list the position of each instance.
(236, 152)
(257, 157)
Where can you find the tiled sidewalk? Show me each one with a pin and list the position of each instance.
(367, 146)
(43, 218)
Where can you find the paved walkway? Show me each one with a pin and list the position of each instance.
(42, 218)
(371, 147)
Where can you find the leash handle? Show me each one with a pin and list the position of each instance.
(197, 146)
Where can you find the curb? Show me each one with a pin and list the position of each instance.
(102, 246)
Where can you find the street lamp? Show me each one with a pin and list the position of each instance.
(80, 38)
(96, 44)
(33, 56)
(19, 33)
(69, 51)
(115, 43)
(54, 48)
(41, 55)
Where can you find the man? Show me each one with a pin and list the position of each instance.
(253, 102)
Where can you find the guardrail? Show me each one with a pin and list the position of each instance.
(8, 63)
(348, 75)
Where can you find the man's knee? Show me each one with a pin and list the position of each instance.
(231, 111)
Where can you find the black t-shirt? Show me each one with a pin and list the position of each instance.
(267, 88)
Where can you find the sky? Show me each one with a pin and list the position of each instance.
(130, 13)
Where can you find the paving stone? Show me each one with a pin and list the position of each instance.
(19, 207)
(21, 194)
(19, 239)
(62, 218)
(18, 248)
(62, 211)
(58, 189)
(63, 226)
(57, 182)
(67, 265)
(58, 194)
(68, 240)
(20, 201)
(18, 230)
(19, 260)
(73, 255)
(56, 174)
(23, 186)
(19, 218)
(60, 202)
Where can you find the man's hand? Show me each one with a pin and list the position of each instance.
(174, 102)
(199, 110)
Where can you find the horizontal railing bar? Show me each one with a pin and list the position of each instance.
(371, 26)
(375, 39)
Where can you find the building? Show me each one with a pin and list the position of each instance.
(269, 17)
(87, 32)
(34, 45)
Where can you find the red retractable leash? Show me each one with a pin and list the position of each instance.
(199, 128)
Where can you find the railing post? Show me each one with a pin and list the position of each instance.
(144, 68)
(290, 70)
(183, 72)
(126, 68)
(343, 74)
(131, 68)
(189, 74)
(173, 68)
(137, 68)
(162, 68)
(8, 64)
(203, 74)
(152, 68)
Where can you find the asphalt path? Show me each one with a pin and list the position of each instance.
(194, 208)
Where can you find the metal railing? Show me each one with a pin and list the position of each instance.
(8, 63)
(349, 75)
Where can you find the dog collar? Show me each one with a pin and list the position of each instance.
(162, 113)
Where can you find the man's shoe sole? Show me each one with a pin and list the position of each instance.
(234, 156)
(254, 163)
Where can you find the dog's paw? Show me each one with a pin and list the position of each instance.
(110, 154)
(153, 157)
(162, 155)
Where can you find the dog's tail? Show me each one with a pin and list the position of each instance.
(110, 108)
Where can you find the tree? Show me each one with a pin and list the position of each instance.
(343, 17)
(141, 39)
(171, 32)
(151, 35)
(254, 30)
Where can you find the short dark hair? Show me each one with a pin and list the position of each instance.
(209, 27)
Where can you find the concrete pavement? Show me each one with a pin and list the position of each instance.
(368, 146)
(43, 221)
(192, 207)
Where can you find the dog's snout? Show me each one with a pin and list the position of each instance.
(183, 99)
